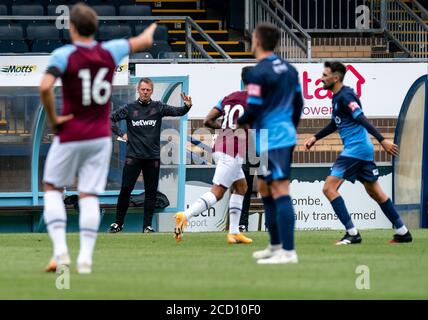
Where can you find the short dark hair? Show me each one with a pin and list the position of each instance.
(84, 19)
(145, 80)
(336, 67)
(268, 35)
(244, 74)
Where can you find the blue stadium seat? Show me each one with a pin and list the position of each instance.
(110, 32)
(27, 10)
(171, 55)
(158, 47)
(3, 10)
(161, 32)
(13, 46)
(135, 11)
(101, 2)
(11, 33)
(46, 32)
(51, 10)
(141, 55)
(59, 2)
(45, 46)
(104, 10)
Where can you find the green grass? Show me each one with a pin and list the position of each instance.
(203, 266)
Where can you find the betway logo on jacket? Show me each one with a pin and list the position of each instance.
(141, 123)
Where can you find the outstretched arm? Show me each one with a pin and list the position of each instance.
(144, 40)
(387, 145)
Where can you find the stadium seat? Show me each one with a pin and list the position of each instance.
(27, 10)
(3, 10)
(104, 10)
(161, 32)
(46, 32)
(171, 55)
(141, 55)
(11, 33)
(109, 32)
(158, 47)
(45, 46)
(59, 2)
(13, 46)
(51, 10)
(135, 11)
(101, 2)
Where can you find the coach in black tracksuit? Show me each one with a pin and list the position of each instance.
(144, 120)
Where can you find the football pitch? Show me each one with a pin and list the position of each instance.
(203, 266)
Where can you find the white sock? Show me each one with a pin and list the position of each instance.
(235, 208)
(56, 221)
(89, 221)
(402, 231)
(205, 202)
(274, 247)
(286, 252)
(353, 231)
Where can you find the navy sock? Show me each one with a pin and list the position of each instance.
(285, 218)
(339, 208)
(392, 214)
(270, 220)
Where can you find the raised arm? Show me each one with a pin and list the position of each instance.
(170, 111)
(144, 40)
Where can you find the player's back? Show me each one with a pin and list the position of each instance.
(87, 76)
(273, 85)
(232, 107)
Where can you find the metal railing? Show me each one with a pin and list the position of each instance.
(294, 41)
(335, 15)
(406, 29)
(193, 49)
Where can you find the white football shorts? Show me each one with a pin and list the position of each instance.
(88, 160)
(228, 169)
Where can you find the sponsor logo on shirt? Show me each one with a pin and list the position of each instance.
(337, 120)
(143, 123)
(279, 67)
(353, 106)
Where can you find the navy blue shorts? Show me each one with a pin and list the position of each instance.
(352, 169)
(278, 165)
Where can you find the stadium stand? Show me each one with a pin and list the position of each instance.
(170, 35)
